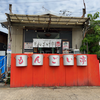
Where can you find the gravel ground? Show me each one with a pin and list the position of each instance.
(49, 93)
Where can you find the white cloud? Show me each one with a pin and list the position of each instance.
(35, 7)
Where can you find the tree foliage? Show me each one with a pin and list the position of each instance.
(92, 38)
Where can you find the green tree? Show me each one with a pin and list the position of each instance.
(92, 37)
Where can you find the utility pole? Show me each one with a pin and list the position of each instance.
(9, 43)
(84, 9)
(65, 12)
(10, 8)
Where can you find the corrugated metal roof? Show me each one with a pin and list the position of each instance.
(47, 18)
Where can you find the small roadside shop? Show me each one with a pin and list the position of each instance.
(42, 51)
(46, 33)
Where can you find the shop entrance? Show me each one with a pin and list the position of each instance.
(47, 35)
(47, 50)
(41, 42)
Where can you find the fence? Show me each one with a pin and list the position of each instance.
(61, 75)
(3, 64)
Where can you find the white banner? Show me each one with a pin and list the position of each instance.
(46, 43)
(35, 42)
(58, 42)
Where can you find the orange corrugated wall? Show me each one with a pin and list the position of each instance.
(55, 76)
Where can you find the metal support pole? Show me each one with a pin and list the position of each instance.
(87, 47)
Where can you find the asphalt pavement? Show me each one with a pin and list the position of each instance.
(49, 93)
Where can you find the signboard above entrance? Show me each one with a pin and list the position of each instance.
(42, 43)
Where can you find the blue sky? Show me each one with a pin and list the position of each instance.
(54, 6)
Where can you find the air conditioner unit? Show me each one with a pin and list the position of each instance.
(76, 51)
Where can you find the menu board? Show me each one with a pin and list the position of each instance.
(65, 47)
(28, 45)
